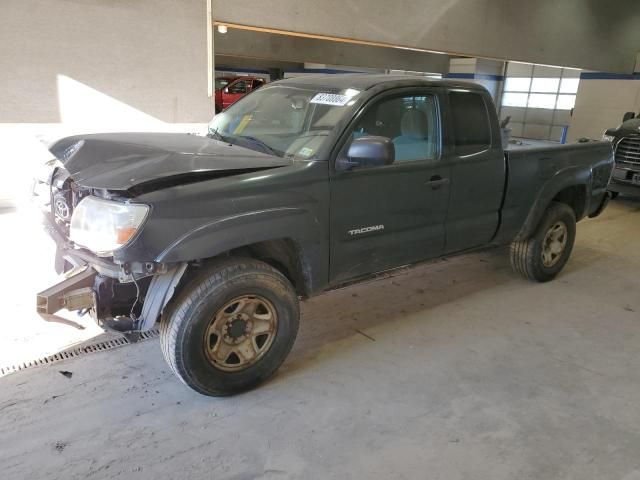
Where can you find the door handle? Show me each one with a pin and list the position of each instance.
(436, 182)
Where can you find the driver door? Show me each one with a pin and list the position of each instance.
(390, 215)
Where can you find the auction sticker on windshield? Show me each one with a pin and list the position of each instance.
(330, 99)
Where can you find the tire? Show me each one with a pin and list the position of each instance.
(197, 325)
(614, 195)
(535, 262)
(218, 109)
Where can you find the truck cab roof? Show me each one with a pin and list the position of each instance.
(365, 81)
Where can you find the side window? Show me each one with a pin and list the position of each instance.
(411, 122)
(238, 87)
(470, 122)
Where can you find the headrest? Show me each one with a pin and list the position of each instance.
(414, 123)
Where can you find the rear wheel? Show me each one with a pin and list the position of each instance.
(231, 327)
(544, 254)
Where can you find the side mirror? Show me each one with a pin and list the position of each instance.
(368, 151)
(628, 116)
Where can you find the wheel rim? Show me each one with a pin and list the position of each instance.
(241, 332)
(554, 244)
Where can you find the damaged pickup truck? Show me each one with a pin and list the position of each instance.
(305, 185)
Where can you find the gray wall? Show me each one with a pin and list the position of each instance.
(590, 34)
(150, 55)
(258, 45)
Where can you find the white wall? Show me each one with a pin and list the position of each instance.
(150, 55)
(601, 103)
(71, 67)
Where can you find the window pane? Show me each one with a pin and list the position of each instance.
(545, 85)
(515, 84)
(239, 87)
(515, 99)
(569, 85)
(566, 102)
(221, 83)
(409, 121)
(470, 122)
(542, 100)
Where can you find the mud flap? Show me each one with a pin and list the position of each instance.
(158, 295)
(603, 205)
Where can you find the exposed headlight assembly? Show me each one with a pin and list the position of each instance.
(608, 138)
(104, 226)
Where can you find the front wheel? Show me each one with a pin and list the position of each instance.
(543, 255)
(231, 327)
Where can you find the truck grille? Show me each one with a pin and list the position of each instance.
(65, 195)
(628, 152)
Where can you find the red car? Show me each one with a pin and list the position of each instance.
(230, 90)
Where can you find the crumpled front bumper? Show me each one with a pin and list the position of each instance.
(75, 292)
(117, 298)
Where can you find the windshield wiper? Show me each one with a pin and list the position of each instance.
(256, 141)
(216, 135)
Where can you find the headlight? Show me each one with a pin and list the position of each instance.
(103, 226)
(608, 138)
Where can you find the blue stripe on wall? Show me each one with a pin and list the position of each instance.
(468, 76)
(609, 76)
(474, 76)
(288, 70)
(318, 70)
(241, 70)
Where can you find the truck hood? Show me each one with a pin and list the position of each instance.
(148, 161)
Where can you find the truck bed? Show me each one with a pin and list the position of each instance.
(536, 173)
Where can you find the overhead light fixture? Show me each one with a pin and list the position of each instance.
(222, 29)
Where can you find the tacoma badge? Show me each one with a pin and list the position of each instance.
(372, 228)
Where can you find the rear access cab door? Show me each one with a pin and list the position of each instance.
(478, 169)
(386, 216)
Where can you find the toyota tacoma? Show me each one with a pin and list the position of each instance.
(304, 185)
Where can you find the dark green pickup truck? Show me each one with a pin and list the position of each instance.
(304, 185)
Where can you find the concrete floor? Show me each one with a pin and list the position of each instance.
(462, 371)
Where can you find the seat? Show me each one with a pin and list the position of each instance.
(413, 143)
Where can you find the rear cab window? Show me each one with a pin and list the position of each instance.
(471, 128)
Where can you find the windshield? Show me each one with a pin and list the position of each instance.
(287, 121)
(221, 83)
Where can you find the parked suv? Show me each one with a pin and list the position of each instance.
(305, 185)
(626, 143)
(235, 90)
